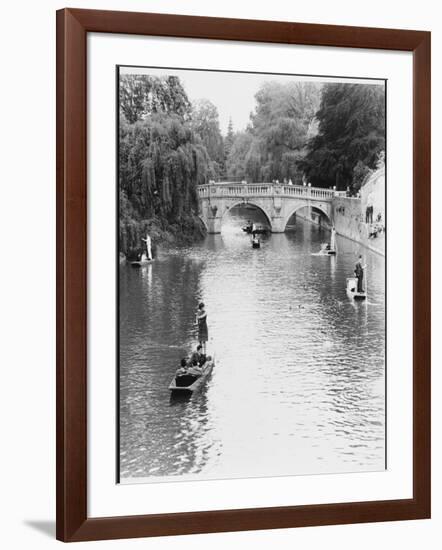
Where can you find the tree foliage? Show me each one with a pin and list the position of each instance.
(205, 124)
(332, 133)
(277, 134)
(351, 134)
(228, 142)
(143, 95)
(161, 161)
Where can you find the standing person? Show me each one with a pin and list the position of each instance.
(333, 239)
(148, 242)
(359, 273)
(203, 331)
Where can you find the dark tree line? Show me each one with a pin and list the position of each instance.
(351, 136)
(331, 135)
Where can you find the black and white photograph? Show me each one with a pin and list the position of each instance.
(251, 327)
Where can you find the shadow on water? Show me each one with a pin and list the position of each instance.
(177, 399)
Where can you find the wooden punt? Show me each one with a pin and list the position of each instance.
(140, 263)
(197, 384)
(259, 230)
(352, 289)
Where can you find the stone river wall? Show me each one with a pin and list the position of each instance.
(349, 221)
(351, 217)
(362, 219)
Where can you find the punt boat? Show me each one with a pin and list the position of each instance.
(189, 384)
(326, 250)
(259, 230)
(139, 263)
(352, 289)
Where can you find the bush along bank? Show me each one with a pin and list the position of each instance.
(164, 235)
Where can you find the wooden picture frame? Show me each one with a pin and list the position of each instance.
(73, 523)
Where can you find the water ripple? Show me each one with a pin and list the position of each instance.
(299, 380)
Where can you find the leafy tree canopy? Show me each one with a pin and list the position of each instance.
(162, 159)
(144, 95)
(277, 134)
(351, 134)
(205, 124)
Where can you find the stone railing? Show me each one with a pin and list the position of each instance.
(231, 189)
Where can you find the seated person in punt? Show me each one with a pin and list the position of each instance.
(187, 373)
(198, 356)
(183, 367)
(195, 369)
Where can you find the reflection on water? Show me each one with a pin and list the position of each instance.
(298, 385)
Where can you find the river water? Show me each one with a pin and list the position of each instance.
(299, 381)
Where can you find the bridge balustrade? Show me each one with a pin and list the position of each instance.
(266, 190)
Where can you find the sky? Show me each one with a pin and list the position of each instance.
(232, 93)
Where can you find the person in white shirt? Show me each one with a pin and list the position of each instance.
(148, 242)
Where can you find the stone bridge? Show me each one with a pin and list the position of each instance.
(278, 202)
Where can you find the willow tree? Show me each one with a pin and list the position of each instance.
(161, 161)
(205, 124)
(278, 132)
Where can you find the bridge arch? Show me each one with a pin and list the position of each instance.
(250, 203)
(306, 205)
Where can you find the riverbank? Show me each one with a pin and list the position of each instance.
(188, 230)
